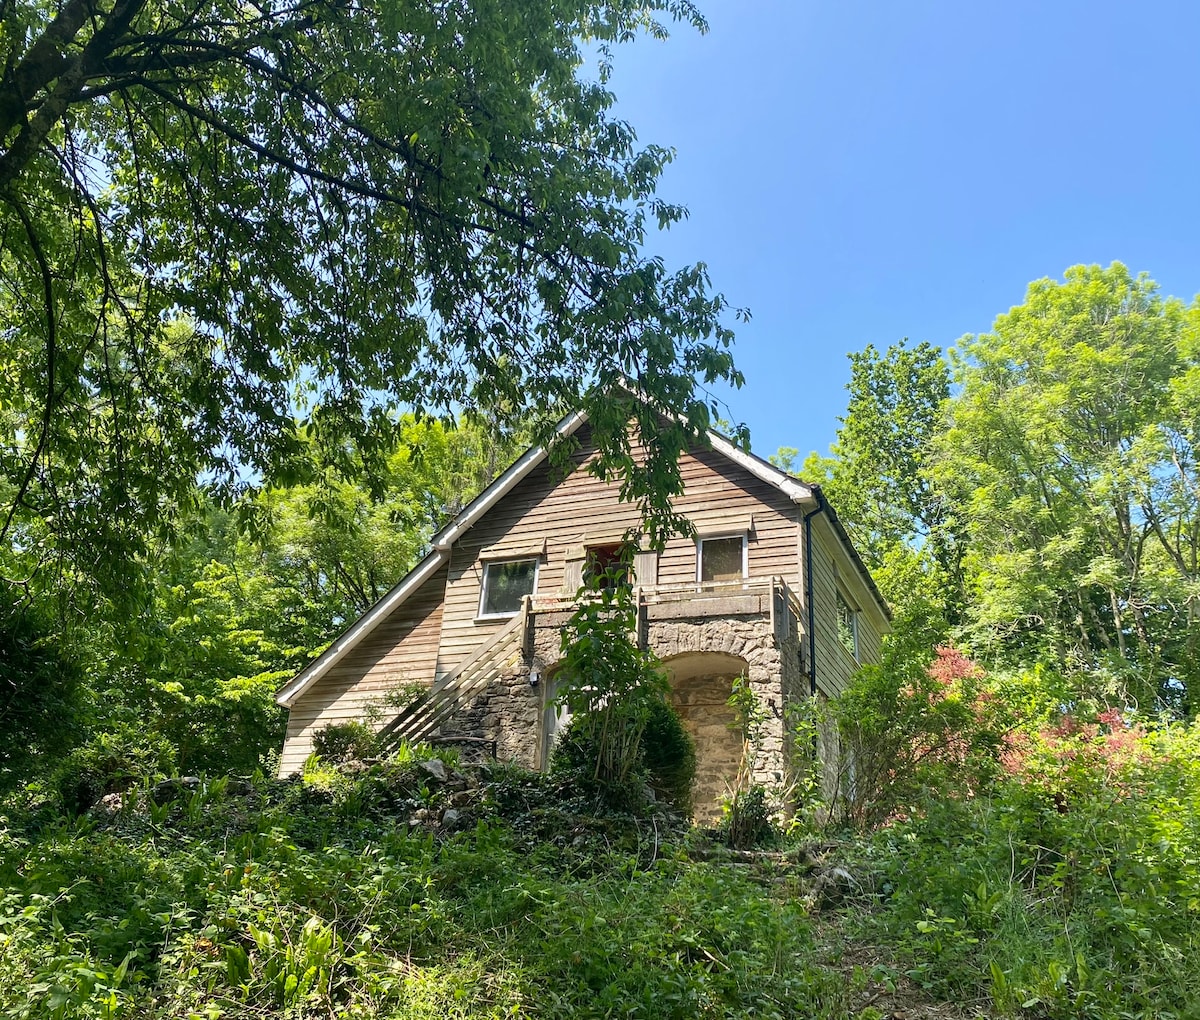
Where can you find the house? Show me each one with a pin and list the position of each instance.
(769, 587)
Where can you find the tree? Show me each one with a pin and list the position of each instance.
(235, 234)
(234, 610)
(1070, 457)
(877, 473)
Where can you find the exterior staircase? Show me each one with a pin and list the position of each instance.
(421, 718)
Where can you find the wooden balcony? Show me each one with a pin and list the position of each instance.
(752, 596)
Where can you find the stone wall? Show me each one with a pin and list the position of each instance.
(509, 712)
(702, 654)
(749, 639)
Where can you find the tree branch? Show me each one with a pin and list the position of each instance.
(51, 353)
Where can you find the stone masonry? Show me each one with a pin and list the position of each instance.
(514, 712)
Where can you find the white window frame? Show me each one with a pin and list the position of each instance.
(700, 540)
(841, 597)
(483, 586)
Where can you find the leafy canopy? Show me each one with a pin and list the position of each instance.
(236, 233)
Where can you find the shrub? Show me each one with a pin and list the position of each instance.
(1070, 886)
(748, 818)
(345, 741)
(665, 760)
(920, 720)
(111, 762)
(670, 756)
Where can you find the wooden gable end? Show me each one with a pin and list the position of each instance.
(555, 515)
(401, 650)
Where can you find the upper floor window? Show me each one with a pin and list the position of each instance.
(607, 566)
(847, 624)
(721, 559)
(505, 584)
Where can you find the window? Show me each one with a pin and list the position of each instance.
(847, 624)
(721, 559)
(505, 584)
(607, 566)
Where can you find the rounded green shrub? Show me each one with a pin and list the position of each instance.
(345, 741)
(666, 757)
(670, 756)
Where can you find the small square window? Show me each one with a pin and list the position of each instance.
(505, 584)
(607, 566)
(721, 559)
(847, 624)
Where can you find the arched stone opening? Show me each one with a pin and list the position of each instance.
(701, 683)
(554, 718)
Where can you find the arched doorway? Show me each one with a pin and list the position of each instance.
(701, 683)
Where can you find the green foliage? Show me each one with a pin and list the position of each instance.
(345, 741)
(282, 905)
(241, 273)
(669, 754)
(749, 817)
(112, 760)
(608, 685)
(877, 475)
(665, 763)
(1047, 508)
(1069, 458)
(41, 697)
(917, 724)
(1078, 906)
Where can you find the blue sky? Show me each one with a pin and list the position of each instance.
(861, 172)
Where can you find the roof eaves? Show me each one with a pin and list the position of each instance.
(792, 487)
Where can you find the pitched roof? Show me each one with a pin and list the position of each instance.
(797, 491)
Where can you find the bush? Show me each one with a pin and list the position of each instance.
(670, 756)
(915, 723)
(610, 686)
(111, 762)
(1070, 886)
(345, 741)
(748, 819)
(665, 761)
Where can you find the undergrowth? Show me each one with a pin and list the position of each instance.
(277, 899)
(1070, 890)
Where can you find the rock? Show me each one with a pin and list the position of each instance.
(108, 806)
(450, 818)
(172, 789)
(435, 768)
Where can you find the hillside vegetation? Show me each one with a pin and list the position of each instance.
(1016, 831)
(1068, 891)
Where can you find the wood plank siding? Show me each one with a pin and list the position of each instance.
(834, 569)
(552, 515)
(401, 650)
(546, 510)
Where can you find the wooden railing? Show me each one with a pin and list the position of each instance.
(690, 591)
(421, 717)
